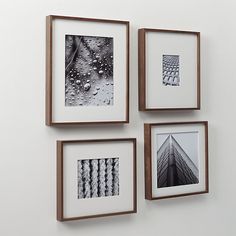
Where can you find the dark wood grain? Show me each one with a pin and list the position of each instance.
(59, 181)
(48, 70)
(148, 161)
(141, 69)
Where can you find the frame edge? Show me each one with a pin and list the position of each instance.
(48, 70)
(147, 161)
(60, 181)
(141, 69)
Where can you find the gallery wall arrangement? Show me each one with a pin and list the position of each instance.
(87, 82)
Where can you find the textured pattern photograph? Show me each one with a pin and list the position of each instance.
(98, 177)
(170, 70)
(177, 159)
(88, 71)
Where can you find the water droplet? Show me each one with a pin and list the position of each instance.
(100, 72)
(88, 80)
(95, 68)
(107, 83)
(78, 81)
(97, 88)
(87, 86)
(95, 92)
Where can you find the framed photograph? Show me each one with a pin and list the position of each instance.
(169, 70)
(176, 159)
(87, 70)
(96, 178)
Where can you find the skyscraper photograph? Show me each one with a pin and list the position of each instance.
(177, 162)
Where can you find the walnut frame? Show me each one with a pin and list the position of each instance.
(49, 68)
(148, 160)
(60, 185)
(142, 70)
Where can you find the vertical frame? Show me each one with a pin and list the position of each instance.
(115, 108)
(149, 76)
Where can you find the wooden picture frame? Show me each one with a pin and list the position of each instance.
(169, 69)
(176, 159)
(87, 71)
(96, 178)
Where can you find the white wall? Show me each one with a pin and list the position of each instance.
(27, 153)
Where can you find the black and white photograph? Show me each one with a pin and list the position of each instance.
(177, 159)
(170, 70)
(88, 71)
(98, 177)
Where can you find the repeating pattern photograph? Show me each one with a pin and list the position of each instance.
(98, 177)
(170, 70)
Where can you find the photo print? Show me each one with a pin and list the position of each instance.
(177, 159)
(88, 71)
(98, 177)
(170, 70)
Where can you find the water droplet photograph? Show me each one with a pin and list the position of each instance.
(88, 71)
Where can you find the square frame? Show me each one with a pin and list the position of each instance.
(144, 70)
(151, 192)
(62, 197)
(56, 113)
